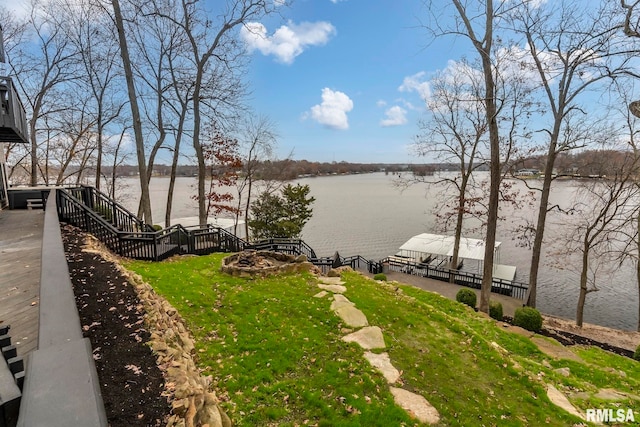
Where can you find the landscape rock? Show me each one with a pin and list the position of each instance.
(610, 394)
(368, 338)
(555, 349)
(565, 372)
(383, 364)
(337, 272)
(352, 317)
(336, 289)
(340, 301)
(321, 294)
(417, 406)
(194, 404)
(331, 280)
(560, 400)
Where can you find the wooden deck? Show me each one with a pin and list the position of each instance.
(20, 252)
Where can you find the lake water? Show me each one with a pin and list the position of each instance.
(367, 215)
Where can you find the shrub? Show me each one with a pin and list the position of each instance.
(466, 296)
(636, 355)
(380, 276)
(157, 227)
(495, 310)
(528, 318)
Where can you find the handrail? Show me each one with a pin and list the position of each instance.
(514, 289)
(129, 236)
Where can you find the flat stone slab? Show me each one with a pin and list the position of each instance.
(368, 338)
(336, 289)
(352, 317)
(331, 280)
(321, 294)
(383, 364)
(340, 301)
(555, 350)
(415, 405)
(560, 400)
(610, 394)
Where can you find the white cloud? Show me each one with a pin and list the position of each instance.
(416, 83)
(288, 41)
(395, 116)
(332, 112)
(381, 103)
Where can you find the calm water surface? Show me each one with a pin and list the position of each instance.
(369, 216)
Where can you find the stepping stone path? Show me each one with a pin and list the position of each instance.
(370, 337)
(557, 398)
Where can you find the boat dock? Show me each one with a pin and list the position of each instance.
(430, 255)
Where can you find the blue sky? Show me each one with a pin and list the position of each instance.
(355, 90)
(342, 80)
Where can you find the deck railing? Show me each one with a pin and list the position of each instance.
(499, 286)
(126, 235)
(13, 119)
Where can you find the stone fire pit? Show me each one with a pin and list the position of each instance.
(264, 263)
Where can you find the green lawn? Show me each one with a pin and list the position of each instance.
(277, 359)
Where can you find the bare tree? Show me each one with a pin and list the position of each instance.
(75, 141)
(214, 52)
(135, 112)
(39, 72)
(257, 140)
(599, 219)
(571, 51)
(455, 133)
(475, 21)
(88, 28)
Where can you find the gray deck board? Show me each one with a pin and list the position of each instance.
(20, 253)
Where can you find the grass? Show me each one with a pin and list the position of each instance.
(276, 356)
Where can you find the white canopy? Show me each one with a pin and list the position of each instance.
(437, 244)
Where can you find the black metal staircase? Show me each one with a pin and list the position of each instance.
(128, 236)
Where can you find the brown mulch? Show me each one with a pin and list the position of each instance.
(111, 315)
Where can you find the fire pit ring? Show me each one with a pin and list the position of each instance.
(250, 263)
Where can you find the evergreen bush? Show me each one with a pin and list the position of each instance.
(528, 318)
(636, 355)
(380, 276)
(466, 296)
(495, 310)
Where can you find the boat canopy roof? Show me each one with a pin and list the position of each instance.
(438, 244)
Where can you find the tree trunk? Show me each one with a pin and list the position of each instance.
(100, 128)
(583, 284)
(174, 169)
(457, 236)
(536, 252)
(135, 113)
(247, 208)
(494, 143)
(638, 266)
(202, 207)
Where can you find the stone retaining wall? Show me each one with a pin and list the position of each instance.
(193, 402)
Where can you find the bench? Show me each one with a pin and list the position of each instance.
(11, 380)
(35, 203)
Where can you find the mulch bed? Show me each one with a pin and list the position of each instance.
(111, 315)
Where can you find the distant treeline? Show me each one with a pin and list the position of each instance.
(292, 169)
(588, 162)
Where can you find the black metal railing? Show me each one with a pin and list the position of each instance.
(125, 234)
(499, 286)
